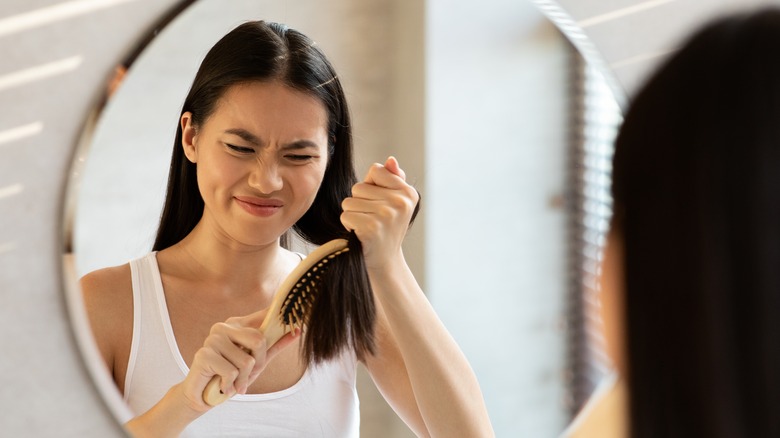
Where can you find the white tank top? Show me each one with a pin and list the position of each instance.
(323, 403)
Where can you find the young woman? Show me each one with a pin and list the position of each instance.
(264, 147)
(691, 272)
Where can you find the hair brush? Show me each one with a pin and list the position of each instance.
(291, 305)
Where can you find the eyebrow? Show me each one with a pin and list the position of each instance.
(255, 140)
(300, 144)
(245, 135)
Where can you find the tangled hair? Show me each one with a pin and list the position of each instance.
(696, 186)
(260, 51)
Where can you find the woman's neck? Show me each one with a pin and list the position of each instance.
(229, 267)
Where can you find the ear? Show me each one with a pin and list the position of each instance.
(189, 135)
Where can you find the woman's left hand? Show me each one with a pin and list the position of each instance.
(379, 212)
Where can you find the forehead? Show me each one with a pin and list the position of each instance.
(271, 109)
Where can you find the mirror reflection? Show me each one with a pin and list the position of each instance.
(493, 176)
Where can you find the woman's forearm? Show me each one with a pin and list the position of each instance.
(444, 385)
(166, 419)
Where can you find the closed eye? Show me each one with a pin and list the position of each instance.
(299, 157)
(240, 149)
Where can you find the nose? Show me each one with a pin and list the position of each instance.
(265, 176)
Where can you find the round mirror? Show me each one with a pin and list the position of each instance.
(496, 119)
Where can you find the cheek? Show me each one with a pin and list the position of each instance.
(314, 182)
(216, 174)
(309, 184)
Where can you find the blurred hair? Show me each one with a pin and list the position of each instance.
(696, 188)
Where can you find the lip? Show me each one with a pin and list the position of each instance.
(262, 207)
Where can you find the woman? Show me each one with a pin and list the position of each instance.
(263, 147)
(691, 273)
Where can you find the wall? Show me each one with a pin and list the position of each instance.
(496, 138)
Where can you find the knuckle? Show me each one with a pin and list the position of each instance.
(399, 202)
(387, 211)
(210, 342)
(218, 328)
(247, 362)
(257, 339)
(200, 355)
(413, 194)
(253, 340)
(232, 374)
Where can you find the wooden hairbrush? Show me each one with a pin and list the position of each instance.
(291, 305)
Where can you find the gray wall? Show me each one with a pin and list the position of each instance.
(496, 114)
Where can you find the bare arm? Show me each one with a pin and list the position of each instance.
(108, 299)
(445, 390)
(445, 387)
(388, 370)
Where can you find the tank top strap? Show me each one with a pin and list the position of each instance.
(152, 365)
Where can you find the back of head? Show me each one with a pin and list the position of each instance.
(696, 186)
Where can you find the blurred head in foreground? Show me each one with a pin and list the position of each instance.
(691, 276)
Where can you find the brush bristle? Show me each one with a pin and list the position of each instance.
(298, 305)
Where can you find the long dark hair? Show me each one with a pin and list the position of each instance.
(696, 188)
(263, 51)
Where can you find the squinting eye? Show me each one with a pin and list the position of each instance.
(239, 149)
(300, 157)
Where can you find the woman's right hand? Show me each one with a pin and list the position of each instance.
(236, 351)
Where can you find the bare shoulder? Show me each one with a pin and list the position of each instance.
(108, 299)
(107, 289)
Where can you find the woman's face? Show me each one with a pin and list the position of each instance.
(261, 157)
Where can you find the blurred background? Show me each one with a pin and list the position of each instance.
(501, 112)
